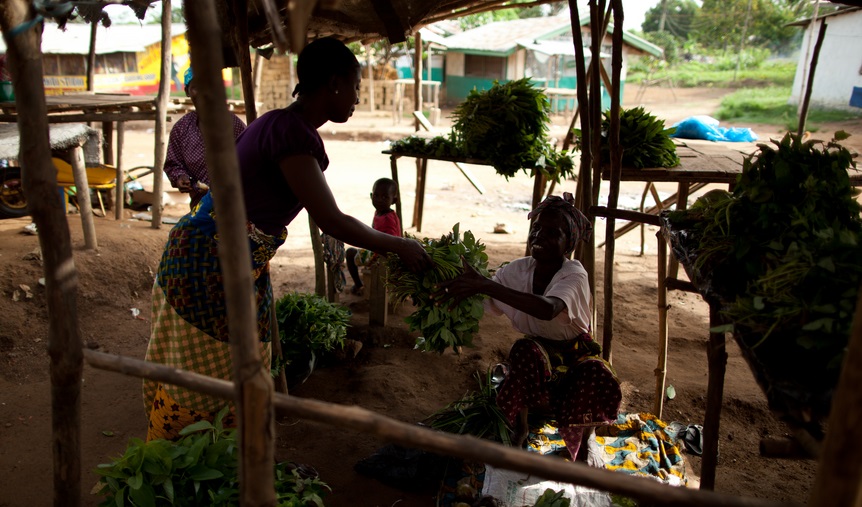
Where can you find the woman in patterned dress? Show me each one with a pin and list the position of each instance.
(557, 367)
(281, 159)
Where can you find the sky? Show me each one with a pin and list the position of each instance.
(634, 11)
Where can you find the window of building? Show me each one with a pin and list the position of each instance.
(72, 65)
(491, 67)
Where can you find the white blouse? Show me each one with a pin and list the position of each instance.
(570, 284)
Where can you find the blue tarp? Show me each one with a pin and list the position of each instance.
(706, 127)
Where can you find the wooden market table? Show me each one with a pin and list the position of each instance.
(105, 108)
(421, 177)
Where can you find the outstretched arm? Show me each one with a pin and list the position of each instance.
(470, 282)
(305, 178)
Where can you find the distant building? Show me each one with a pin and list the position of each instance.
(128, 57)
(538, 48)
(838, 76)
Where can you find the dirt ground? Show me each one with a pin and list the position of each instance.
(388, 376)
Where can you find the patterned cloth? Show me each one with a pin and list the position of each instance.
(187, 154)
(641, 444)
(580, 227)
(189, 310)
(567, 378)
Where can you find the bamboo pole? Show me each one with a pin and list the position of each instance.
(319, 266)
(661, 367)
(839, 480)
(160, 148)
(258, 73)
(120, 189)
(616, 169)
(82, 188)
(369, 65)
(803, 113)
(240, 34)
(356, 418)
(253, 385)
(590, 190)
(61, 280)
(586, 160)
(91, 57)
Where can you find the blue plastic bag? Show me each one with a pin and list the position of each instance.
(706, 127)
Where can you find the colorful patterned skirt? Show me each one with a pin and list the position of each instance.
(190, 318)
(568, 379)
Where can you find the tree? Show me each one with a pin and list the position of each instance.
(679, 15)
(719, 23)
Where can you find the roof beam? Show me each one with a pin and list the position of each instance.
(395, 31)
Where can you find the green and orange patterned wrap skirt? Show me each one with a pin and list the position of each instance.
(190, 329)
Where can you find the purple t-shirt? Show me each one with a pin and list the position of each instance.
(269, 201)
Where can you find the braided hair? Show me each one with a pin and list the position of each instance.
(319, 61)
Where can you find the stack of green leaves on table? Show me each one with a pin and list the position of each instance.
(506, 125)
(782, 251)
(198, 469)
(441, 328)
(643, 138)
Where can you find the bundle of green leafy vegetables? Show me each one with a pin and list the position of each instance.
(198, 469)
(506, 125)
(309, 322)
(643, 137)
(782, 252)
(476, 413)
(441, 327)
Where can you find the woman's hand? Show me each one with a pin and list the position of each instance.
(184, 183)
(469, 283)
(413, 255)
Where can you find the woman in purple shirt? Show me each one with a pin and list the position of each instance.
(282, 160)
(185, 163)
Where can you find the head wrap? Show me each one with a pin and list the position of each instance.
(579, 225)
(187, 78)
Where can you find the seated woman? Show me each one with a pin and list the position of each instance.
(557, 366)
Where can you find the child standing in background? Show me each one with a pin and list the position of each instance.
(383, 195)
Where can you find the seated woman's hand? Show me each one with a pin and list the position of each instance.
(467, 284)
(184, 183)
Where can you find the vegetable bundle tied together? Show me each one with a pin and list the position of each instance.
(440, 326)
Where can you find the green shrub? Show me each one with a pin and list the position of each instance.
(309, 322)
(199, 469)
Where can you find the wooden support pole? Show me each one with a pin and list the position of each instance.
(716, 354)
(355, 418)
(91, 57)
(61, 277)
(616, 152)
(378, 300)
(240, 33)
(369, 64)
(82, 189)
(586, 160)
(319, 266)
(253, 384)
(839, 480)
(164, 95)
(108, 142)
(661, 367)
(803, 112)
(393, 168)
(590, 191)
(120, 189)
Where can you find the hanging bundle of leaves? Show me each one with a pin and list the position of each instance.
(783, 251)
(476, 413)
(644, 140)
(441, 328)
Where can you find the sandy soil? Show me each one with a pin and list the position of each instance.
(388, 376)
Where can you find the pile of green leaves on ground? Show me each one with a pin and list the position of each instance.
(783, 252)
(643, 138)
(441, 327)
(506, 125)
(198, 469)
(309, 322)
(476, 413)
(551, 498)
